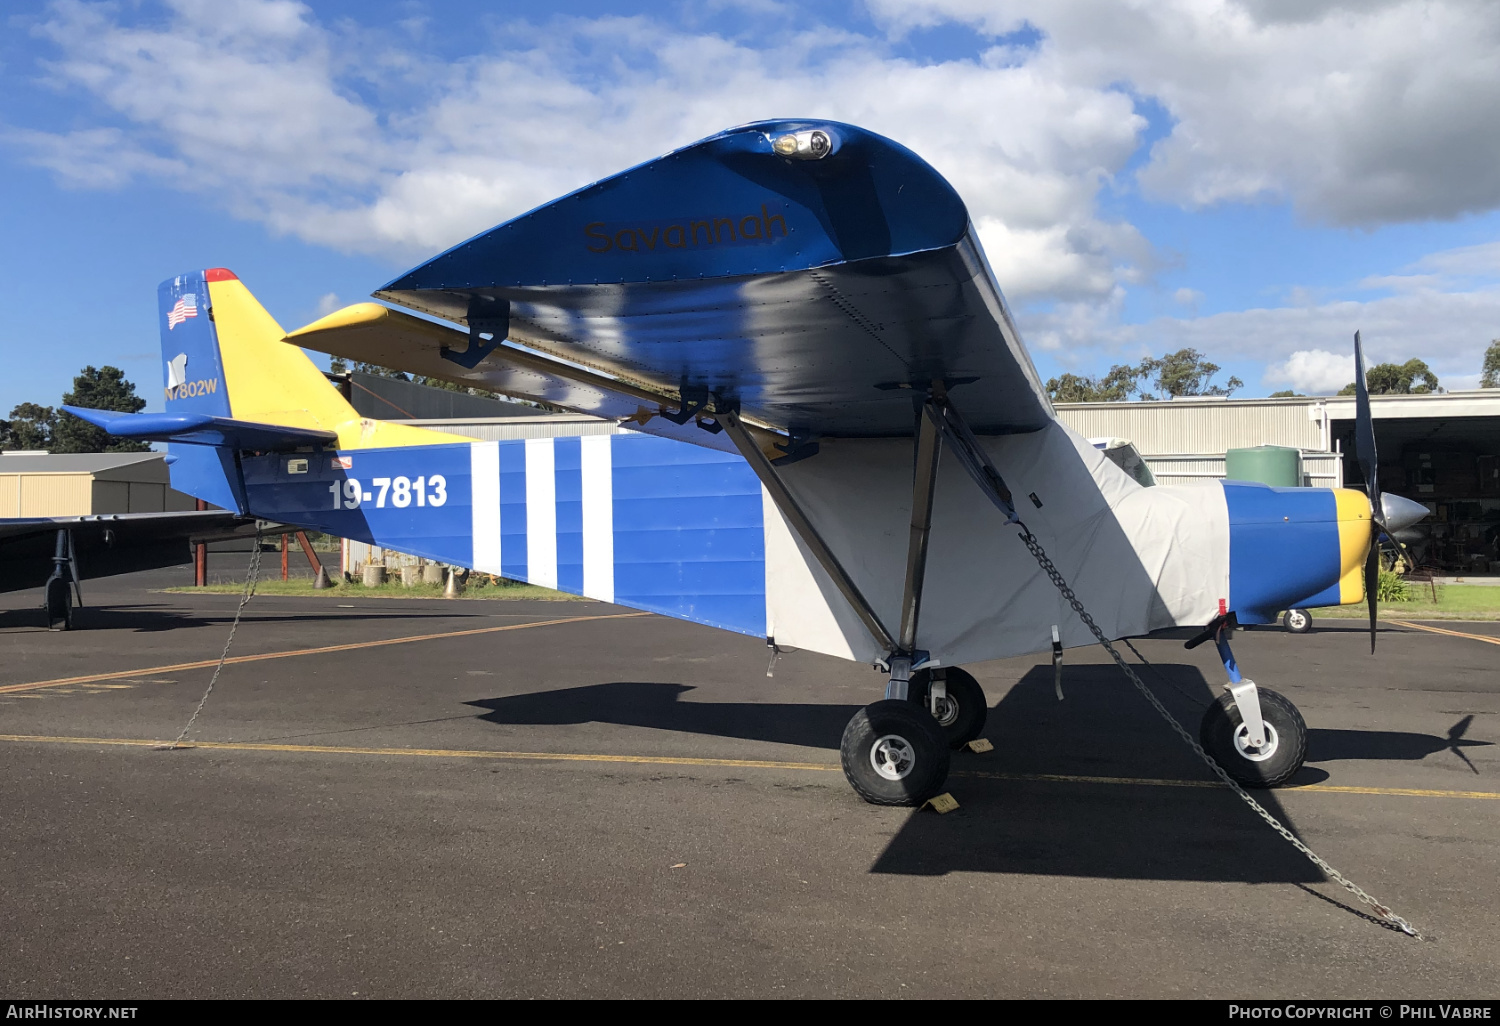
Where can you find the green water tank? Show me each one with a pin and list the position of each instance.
(1277, 465)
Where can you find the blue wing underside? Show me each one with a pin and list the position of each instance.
(817, 294)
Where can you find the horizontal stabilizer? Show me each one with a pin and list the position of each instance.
(202, 429)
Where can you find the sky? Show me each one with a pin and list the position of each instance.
(1256, 179)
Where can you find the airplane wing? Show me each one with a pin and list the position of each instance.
(110, 543)
(809, 274)
(391, 338)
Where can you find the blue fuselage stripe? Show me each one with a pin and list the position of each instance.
(567, 458)
(687, 530)
(513, 562)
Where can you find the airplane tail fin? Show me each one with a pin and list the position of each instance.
(232, 381)
(225, 357)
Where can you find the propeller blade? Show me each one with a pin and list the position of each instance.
(1372, 585)
(1364, 428)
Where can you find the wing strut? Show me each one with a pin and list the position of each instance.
(924, 487)
(938, 421)
(795, 516)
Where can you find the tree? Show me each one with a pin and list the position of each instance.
(1410, 378)
(1288, 394)
(337, 365)
(30, 427)
(103, 388)
(1119, 384)
(1490, 375)
(1186, 372)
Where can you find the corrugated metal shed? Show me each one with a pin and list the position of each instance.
(80, 484)
(1184, 427)
(1319, 469)
(1215, 425)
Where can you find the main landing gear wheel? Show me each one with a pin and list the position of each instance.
(1298, 621)
(894, 753)
(962, 713)
(1224, 736)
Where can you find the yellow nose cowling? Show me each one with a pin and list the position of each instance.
(1355, 536)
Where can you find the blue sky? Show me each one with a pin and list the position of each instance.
(1255, 178)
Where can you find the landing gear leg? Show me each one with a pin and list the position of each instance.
(893, 752)
(1256, 734)
(62, 585)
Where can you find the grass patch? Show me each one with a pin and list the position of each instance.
(1454, 602)
(304, 587)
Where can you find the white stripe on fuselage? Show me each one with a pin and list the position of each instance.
(598, 518)
(484, 475)
(541, 513)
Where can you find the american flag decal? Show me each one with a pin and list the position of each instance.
(185, 307)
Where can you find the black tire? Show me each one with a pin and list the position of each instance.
(1298, 621)
(1286, 736)
(965, 710)
(59, 598)
(894, 728)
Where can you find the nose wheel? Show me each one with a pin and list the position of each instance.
(1298, 621)
(1226, 737)
(894, 753)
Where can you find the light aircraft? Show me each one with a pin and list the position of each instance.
(58, 553)
(839, 441)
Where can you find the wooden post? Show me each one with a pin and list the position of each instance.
(200, 558)
(283, 557)
(307, 549)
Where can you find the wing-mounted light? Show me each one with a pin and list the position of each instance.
(813, 144)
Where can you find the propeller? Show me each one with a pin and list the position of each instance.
(1389, 513)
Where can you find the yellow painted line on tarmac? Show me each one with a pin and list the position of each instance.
(10, 689)
(1407, 792)
(669, 760)
(1441, 630)
(1062, 778)
(431, 753)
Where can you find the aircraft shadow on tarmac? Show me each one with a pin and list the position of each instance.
(1008, 825)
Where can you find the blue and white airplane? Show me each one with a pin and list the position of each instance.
(840, 442)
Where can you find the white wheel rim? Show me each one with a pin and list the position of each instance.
(1242, 744)
(947, 711)
(892, 757)
(1296, 620)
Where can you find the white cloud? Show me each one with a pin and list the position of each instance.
(1314, 371)
(1301, 344)
(361, 141)
(1360, 113)
(328, 302)
(1467, 261)
(256, 107)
